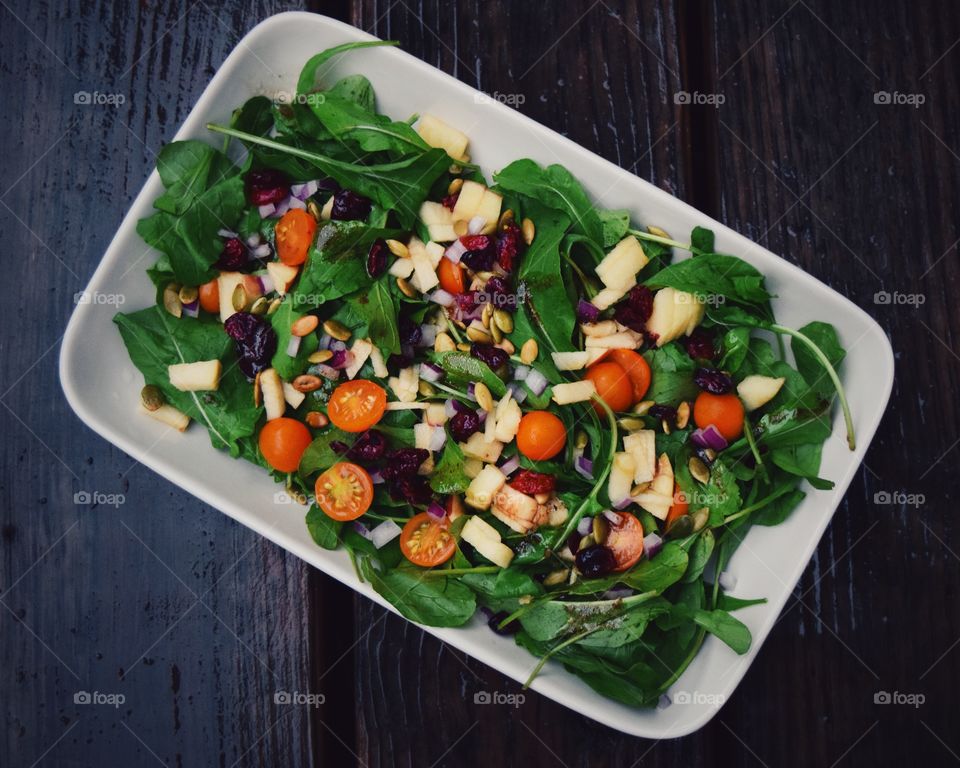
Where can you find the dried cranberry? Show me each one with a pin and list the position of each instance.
(403, 462)
(489, 354)
(256, 342)
(396, 363)
(713, 381)
(450, 201)
(369, 446)
(377, 258)
(464, 424)
(349, 206)
(530, 482)
(663, 412)
(233, 257)
(266, 186)
(635, 310)
(480, 252)
(499, 294)
(412, 489)
(240, 325)
(596, 561)
(409, 331)
(468, 301)
(510, 628)
(573, 541)
(508, 247)
(699, 345)
(339, 447)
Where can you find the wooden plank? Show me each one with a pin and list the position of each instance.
(861, 195)
(604, 77)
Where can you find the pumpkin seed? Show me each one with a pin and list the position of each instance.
(658, 232)
(631, 425)
(586, 541)
(257, 391)
(317, 420)
(171, 301)
(305, 325)
(600, 529)
(496, 333)
(698, 470)
(151, 397)
(528, 230)
(260, 306)
(482, 393)
(398, 249)
(666, 426)
(506, 218)
(455, 186)
(680, 528)
(336, 329)
(478, 335)
(503, 320)
(239, 298)
(529, 351)
(320, 356)
(443, 343)
(699, 519)
(463, 347)
(405, 288)
(507, 346)
(313, 209)
(485, 314)
(683, 414)
(460, 228)
(307, 383)
(274, 306)
(556, 577)
(426, 389)
(641, 408)
(188, 294)
(581, 439)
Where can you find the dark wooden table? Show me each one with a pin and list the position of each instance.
(196, 621)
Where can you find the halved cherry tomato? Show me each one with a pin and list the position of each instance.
(344, 492)
(613, 385)
(427, 541)
(637, 369)
(680, 505)
(357, 405)
(294, 236)
(625, 540)
(451, 276)
(282, 443)
(725, 412)
(210, 297)
(541, 435)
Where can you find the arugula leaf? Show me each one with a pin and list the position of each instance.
(672, 379)
(722, 625)
(347, 121)
(614, 225)
(187, 169)
(650, 574)
(729, 603)
(378, 308)
(825, 337)
(433, 601)
(728, 276)
(156, 340)
(324, 530)
(448, 476)
(355, 88)
(461, 367)
(308, 75)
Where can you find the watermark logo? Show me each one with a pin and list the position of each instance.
(699, 697)
(896, 98)
(510, 99)
(95, 297)
(896, 298)
(307, 99)
(499, 697)
(710, 299)
(282, 497)
(915, 700)
(98, 499)
(696, 98)
(98, 99)
(115, 700)
(299, 698)
(899, 498)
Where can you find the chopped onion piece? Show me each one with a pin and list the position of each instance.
(612, 517)
(511, 465)
(428, 335)
(254, 240)
(617, 593)
(361, 529)
(376, 477)
(438, 437)
(652, 544)
(476, 224)
(431, 372)
(228, 233)
(436, 511)
(536, 381)
(192, 309)
(325, 341)
(728, 581)
(455, 251)
(327, 372)
(521, 372)
(384, 533)
(518, 391)
(337, 346)
(266, 210)
(442, 297)
(584, 466)
(587, 312)
(293, 346)
(282, 207)
(709, 437)
(261, 251)
(296, 202)
(585, 526)
(266, 283)
(450, 408)
(622, 503)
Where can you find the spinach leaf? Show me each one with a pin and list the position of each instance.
(728, 276)
(377, 306)
(650, 574)
(311, 70)
(736, 346)
(700, 553)
(614, 225)
(728, 603)
(448, 476)
(282, 320)
(672, 379)
(355, 88)
(347, 121)
(187, 169)
(803, 461)
(722, 625)
(778, 510)
(433, 601)
(320, 455)
(824, 336)
(701, 240)
(324, 530)
(156, 340)
(462, 368)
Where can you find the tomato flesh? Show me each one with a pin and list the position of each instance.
(450, 276)
(357, 405)
(725, 412)
(344, 492)
(541, 435)
(210, 297)
(613, 386)
(681, 505)
(625, 540)
(426, 540)
(636, 368)
(294, 236)
(282, 442)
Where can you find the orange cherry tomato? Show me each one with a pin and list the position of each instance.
(613, 385)
(210, 297)
(282, 443)
(637, 369)
(625, 540)
(680, 505)
(451, 276)
(357, 405)
(344, 492)
(725, 412)
(541, 435)
(427, 541)
(294, 236)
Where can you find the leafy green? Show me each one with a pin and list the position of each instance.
(320, 455)
(614, 226)
(461, 367)
(436, 602)
(282, 321)
(717, 274)
(448, 476)
(672, 379)
(324, 530)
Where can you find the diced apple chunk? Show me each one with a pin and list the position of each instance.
(442, 233)
(508, 417)
(485, 539)
(478, 447)
(642, 445)
(607, 298)
(378, 363)
(271, 386)
(167, 414)
(282, 275)
(756, 391)
(437, 133)
(294, 397)
(435, 213)
(570, 361)
(202, 376)
(663, 480)
(624, 340)
(482, 488)
(401, 268)
(489, 211)
(573, 392)
(674, 314)
(619, 268)
(621, 477)
(656, 504)
(517, 510)
(468, 201)
(361, 350)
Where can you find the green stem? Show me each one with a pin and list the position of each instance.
(581, 510)
(462, 571)
(657, 239)
(831, 372)
(556, 649)
(757, 505)
(454, 331)
(752, 442)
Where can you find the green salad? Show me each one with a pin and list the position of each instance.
(498, 399)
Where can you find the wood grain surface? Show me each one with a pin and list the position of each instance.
(814, 145)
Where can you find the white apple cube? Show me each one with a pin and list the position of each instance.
(202, 376)
(619, 268)
(756, 391)
(437, 133)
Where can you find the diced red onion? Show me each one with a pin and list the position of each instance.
(518, 391)
(428, 335)
(384, 533)
(461, 407)
(521, 372)
(327, 372)
(455, 251)
(652, 544)
(470, 388)
(612, 517)
(728, 581)
(436, 511)
(254, 240)
(438, 438)
(293, 346)
(336, 345)
(266, 210)
(261, 251)
(341, 359)
(450, 408)
(361, 529)
(664, 701)
(622, 503)
(296, 202)
(476, 224)
(536, 381)
(709, 437)
(511, 465)
(325, 341)
(192, 309)
(376, 477)
(282, 207)
(585, 526)
(431, 372)
(584, 466)
(442, 297)
(266, 283)
(587, 312)
(482, 414)
(305, 190)
(228, 233)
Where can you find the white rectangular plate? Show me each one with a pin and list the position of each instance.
(103, 386)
